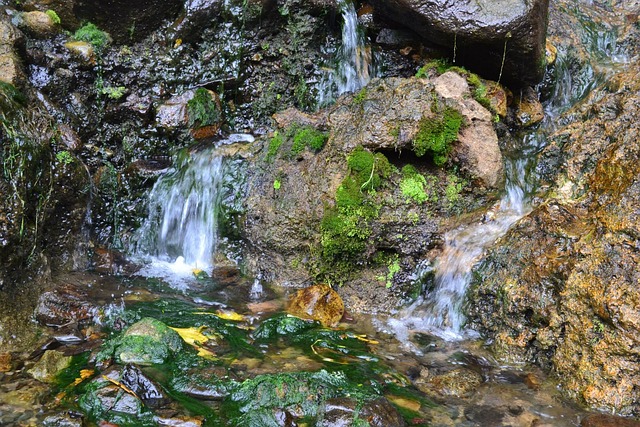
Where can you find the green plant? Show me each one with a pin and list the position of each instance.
(202, 110)
(436, 136)
(453, 189)
(276, 184)
(91, 34)
(307, 136)
(414, 185)
(440, 65)
(274, 144)
(64, 157)
(113, 92)
(393, 269)
(359, 98)
(54, 16)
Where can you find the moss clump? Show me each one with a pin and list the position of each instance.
(452, 191)
(91, 34)
(440, 65)
(203, 110)
(346, 227)
(437, 136)
(415, 186)
(54, 16)
(274, 145)
(307, 137)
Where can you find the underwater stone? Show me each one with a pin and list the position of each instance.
(50, 364)
(318, 302)
(148, 342)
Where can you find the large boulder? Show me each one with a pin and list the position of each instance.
(476, 33)
(561, 288)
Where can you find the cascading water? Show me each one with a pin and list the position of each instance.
(180, 231)
(351, 66)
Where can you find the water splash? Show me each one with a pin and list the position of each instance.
(180, 232)
(352, 61)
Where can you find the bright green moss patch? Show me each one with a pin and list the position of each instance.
(54, 16)
(203, 110)
(436, 136)
(274, 145)
(416, 187)
(91, 34)
(307, 137)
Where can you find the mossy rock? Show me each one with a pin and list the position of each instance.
(147, 342)
(317, 302)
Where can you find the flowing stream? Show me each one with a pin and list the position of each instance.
(351, 63)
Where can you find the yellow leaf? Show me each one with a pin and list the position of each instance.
(86, 373)
(192, 335)
(177, 43)
(230, 315)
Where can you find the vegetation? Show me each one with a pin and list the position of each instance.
(91, 34)
(452, 191)
(346, 228)
(54, 16)
(359, 98)
(113, 92)
(415, 187)
(203, 110)
(436, 136)
(307, 137)
(274, 145)
(64, 157)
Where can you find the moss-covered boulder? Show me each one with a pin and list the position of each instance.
(147, 342)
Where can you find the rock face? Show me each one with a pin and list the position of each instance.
(476, 32)
(299, 226)
(561, 288)
(125, 20)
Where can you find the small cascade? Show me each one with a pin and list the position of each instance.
(180, 231)
(351, 66)
(439, 312)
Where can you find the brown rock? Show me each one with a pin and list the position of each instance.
(602, 420)
(317, 302)
(38, 24)
(529, 110)
(50, 364)
(6, 362)
(83, 51)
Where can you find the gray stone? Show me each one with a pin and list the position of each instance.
(476, 32)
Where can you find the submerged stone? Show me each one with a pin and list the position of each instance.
(318, 302)
(50, 364)
(148, 342)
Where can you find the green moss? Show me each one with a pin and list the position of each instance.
(452, 191)
(202, 109)
(359, 98)
(440, 65)
(64, 157)
(91, 34)
(113, 92)
(436, 136)
(274, 145)
(307, 136)
(346, 228)
(54, 16)
(393, 269)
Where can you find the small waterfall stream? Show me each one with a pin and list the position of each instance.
(180, 232)
(352, 65)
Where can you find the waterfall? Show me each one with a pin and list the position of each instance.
(180, 230)
(439, 312)
(351, 64)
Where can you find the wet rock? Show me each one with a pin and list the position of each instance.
(67, 303)
(150, 393)
(6, 362)
(208, 383)
(105, 395)
(499, 97)
(148, 342)
(38, 24)
(485, 415)
(50, 364)
(574, 308)
(112, 262)
(529, 110)
(69, 137)
(460, 382)
(84, 51)
(126, 21)
(318, 302)
(62, 420)
(478, 32)
(339, 412)
(601, 420)
(173, 113)
(171, 420)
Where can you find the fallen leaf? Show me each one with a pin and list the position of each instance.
(405, 403)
